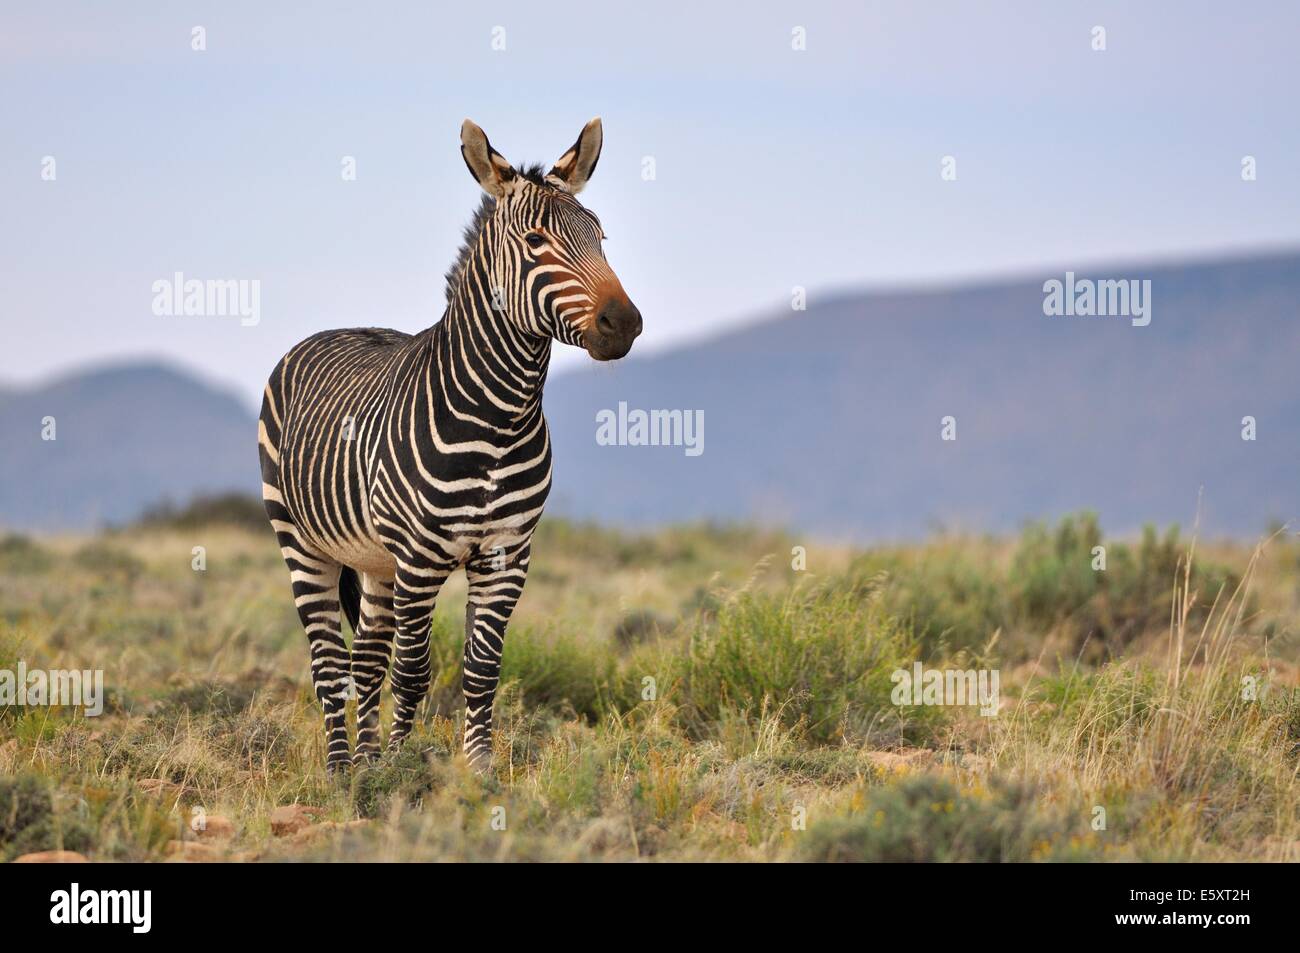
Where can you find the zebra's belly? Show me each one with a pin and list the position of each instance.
(364, 555)
(358, 549)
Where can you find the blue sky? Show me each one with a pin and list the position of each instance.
(774, 167)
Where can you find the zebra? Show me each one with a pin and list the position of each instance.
(390, 460)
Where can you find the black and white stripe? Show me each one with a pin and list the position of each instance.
(390, 460)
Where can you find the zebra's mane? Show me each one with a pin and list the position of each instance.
(469, 238)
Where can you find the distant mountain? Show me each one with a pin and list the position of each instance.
(125, 437)
(825, 421)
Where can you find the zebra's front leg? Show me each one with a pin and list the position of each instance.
(496, 580)
(371, 651)
(316, 596)
(415, 592)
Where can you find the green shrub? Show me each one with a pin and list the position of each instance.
(956, 596)
(822, 661)
(406, 775)
(557, 673)
(1284, 704)
(21, 554)
(551, 671)
(925, 818)
(225, 509)
(221, 699)
(29, 823)
(256, 739)
(108, 561)
(640, 626)
(949, 599)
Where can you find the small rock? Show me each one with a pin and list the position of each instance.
(52, 857)
(292, 818)
(189, 850)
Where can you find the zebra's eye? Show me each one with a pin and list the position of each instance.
(535, 239)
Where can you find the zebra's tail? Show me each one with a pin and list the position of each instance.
(350, 597)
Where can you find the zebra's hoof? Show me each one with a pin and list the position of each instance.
(338, 768)
(365, 757)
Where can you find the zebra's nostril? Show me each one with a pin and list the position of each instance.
(618, 320)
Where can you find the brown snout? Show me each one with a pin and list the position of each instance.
(614, 328)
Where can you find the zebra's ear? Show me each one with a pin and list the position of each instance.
(574, 168)
(487, 165)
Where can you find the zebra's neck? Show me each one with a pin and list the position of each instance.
(484, 368)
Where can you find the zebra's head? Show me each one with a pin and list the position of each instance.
(540, 250)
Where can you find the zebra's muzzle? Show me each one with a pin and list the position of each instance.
(610, 336)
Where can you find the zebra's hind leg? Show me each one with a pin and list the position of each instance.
(316, 595)
(371, 651)
(496, 580)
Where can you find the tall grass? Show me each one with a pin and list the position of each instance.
(1199, 745)
(819, 658)
(750, 719)
(957, 592)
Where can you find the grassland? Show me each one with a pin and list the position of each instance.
(685, 695)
